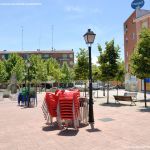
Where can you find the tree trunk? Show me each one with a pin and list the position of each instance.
(117, 88)
(108, 93)
(97, 89)
(103, 88)
(45, 87)
(145, 93)
(85, 89)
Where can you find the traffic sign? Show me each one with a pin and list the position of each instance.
(137, 4)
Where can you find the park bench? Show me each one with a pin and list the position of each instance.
(132, 94)
(124, 98)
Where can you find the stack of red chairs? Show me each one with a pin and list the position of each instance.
(51, 101)
(64, 105)
(68, 108)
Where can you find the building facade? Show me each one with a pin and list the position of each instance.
(61, 56)
(132, 27)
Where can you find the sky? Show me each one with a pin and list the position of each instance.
(66, 20)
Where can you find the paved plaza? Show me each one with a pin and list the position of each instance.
(117, 127)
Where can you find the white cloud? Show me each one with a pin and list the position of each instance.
(96, 11)
(73, 9)
(94, 60)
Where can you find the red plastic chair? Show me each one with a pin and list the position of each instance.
(69, 107)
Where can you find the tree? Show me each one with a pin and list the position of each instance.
(53, 70)
(82, 66)
(108, 61)
(140, 60)
(103, 79)
(3, 73)
(96, 75)
(37, 70)
(120, 75)
(66, 74)
(15, 65)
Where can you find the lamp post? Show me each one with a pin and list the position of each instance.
(28, 67)
(89, 37)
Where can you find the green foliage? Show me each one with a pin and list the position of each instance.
(3, 73)
(38, 69)
(53, 70)
(15, 65)
(120, 75)
(140, 60)
(81, 68)
(66, 73)
(95, 73)
(108, 61)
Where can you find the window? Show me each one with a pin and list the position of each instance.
(145, 24)
(64, 55)
(71, 55)
(125, 28)
(126, 40)
(45, 56)
(127, 53)
(133, 36)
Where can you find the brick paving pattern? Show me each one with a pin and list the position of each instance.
(117, 127)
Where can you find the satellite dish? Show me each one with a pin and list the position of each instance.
(137, 4)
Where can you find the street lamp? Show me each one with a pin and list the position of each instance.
(28, 67)
(89, 39)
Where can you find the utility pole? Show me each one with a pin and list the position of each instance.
(52, 28)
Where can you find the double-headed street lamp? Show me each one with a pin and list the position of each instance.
(89, 39)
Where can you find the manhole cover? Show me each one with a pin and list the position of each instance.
(106, 119)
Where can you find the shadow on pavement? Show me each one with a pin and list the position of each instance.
(144, 109)
(82, 125)
(142, 100)
(93, 130)
(50, 128)
(114, 104)
(68, 132)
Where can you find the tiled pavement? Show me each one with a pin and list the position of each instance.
(117, 127)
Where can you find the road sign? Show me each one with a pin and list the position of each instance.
(137, 4)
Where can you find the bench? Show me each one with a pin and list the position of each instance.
(133, 95)
(124, 98)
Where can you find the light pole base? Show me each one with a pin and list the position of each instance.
(92, 125)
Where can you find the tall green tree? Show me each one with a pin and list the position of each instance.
(66, 74)
(108, 61)
(3, 73)
(95, 73)
(37, 70)
(15, 66)
(140, 60)
(81, 68)
(53, 70)
(120, 75)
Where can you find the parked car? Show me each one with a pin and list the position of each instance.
(81, 87)
(96, 86)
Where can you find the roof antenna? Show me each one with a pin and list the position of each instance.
(39, 41)
(52, 36)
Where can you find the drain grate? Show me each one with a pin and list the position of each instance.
(106, 119)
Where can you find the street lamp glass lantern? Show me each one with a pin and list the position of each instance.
(89, 37)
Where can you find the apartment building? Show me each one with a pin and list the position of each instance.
(139, 19)
(60, 55)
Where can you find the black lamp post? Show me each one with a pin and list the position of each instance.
(89, 39)
(28, 67)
